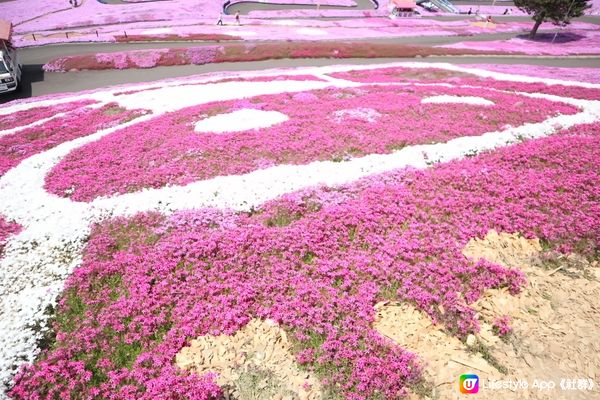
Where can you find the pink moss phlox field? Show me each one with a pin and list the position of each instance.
(135, 59)
(399, 74)
(316, 262)
(138, 59)
(7, 229)
(269, 78)
(334, 125)
(341, 3)
(26, 117)
(566, 43)
(80, 122)
(590, 75)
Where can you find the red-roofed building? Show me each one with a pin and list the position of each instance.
(10, 68)
(402, 8)
(5, 30)
(404, 4)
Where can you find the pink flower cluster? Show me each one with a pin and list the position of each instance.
(7, 229)
(573, 42)
(329, 124)
(398, 74)
(502, 326)
(81, 122)
(340, 3)
(271, 78)
(137, 59)
(316, 262)
(568, 73)
(202, 55)
(267, 78)
(31, 115)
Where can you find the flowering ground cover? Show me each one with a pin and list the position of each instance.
(342, 3)
(395, 75)
(567, 42)
(573, 74)
(316, 262)
(47, 15)
(236, 79)
(41, 17)
(80, 121)
(173, 37)
(96, 13)
(109, 23)
(241, 52)
(330, 124)
(7, 229)
(31, 115)
(309, 246)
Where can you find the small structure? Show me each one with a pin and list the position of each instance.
(402, 8)
(10, 69)
(5, 30)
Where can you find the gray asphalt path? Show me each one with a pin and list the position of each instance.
(592, 19)
(41, 55)
(36, 82)
(246, 7)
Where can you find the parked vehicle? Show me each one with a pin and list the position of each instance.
(10, 68)
(429, 6)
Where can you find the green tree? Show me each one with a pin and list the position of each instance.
(559, 12)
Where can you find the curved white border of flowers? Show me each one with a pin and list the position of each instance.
(447, 99)
(38, 260)
(36, 123)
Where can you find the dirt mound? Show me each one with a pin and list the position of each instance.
(555, 322)
(255, 363)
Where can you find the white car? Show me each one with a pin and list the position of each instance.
(10, 68)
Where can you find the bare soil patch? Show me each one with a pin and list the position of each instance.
(255, 363)
(555, 322)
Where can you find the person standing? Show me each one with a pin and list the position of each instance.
(237, 17)
(470, 11)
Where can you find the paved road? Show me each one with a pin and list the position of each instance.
(36, 82)
(41, 55)
(247, 6)
(591, 19)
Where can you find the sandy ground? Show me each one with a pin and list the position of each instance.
(554, 320)
(253, 364)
